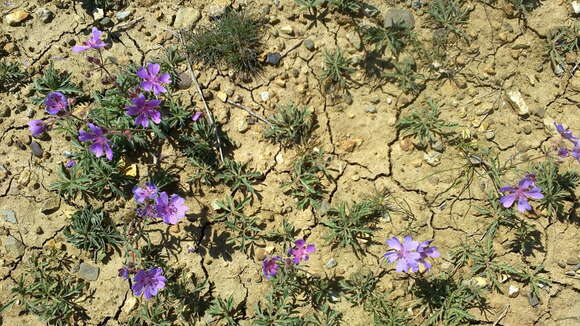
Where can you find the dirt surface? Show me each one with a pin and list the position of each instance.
(366, 150)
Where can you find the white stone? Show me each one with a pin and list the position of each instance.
(432, 158)
(515, 98)
(513, 291)
(265, 96)
(222, 96)
(287, 29)
(98, 13)
(576, 7)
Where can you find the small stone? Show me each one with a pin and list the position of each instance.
(106, 22)
(389, 100)
(130, 304)
(9, 216)
(185, 80)
(287, 29)
(477, 281)
(489, 135)
(215, 206)
(533, 300)
(186, 18)
(354, 39)
(44, 14)
(99, 13)
(323, 208)
(331, 263)
(576, 7)
(309, 44)
(88, 272)
(16, 17)
(371, 109)
(222, 96)
(124, 15)
(273, 58)
(265, 96)
(244, 126)
(438, 146)
(349, 145)
(432, 158)
(216, 10)
(514, 97)
(573, 261)
(50, 206)
(260, 254)
(36, 149)
(396, 15)
(39, 230)
(513, 291)
(14, 247)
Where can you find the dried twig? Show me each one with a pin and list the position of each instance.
(207, 110)
(501, 316)
(252, 113)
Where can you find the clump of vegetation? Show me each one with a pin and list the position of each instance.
(92, 230)
(557, 187)
(406, 77)
(348, 225)
(49, 290)
(10, 75)
(561, 42)
(450, 15)
(394, 38)
(523, 7)
(239, 177)
(290, 125)
(53, 80)
(233, 41)
(425, 125)
(336, 71)
(306, 175)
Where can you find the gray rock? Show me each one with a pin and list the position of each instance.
(186, 18)
(331, 263)
(309, 44)
(50, 206)
(9, 216)
(14, 247)
(244, 126)
(106, 22)
(323, 208)
(489, 135)
(371, 109)
(438, 146)
(184, 80)
(30, 113)
(273, 58)
(396, 15)
(533, 300)
(88, 272)
(45, 15)
(5, 112)
(124, 15)
(36, 149)
(432, 158)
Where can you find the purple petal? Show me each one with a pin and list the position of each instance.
(409, 244)
(394, 243)
(535, 193)
(147, 85)
(507, 189)
(142, 73)
(153, 68)
(523, 205)
(80, 48)
(310, 249)
(97, 149)
(299, 243)
(165, 78)
(391, 256)
(108, 152)
(508, 200)
(85, 136)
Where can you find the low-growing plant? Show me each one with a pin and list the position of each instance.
(359, 287)
(239, 177)
(53, 80)
(92, 230)
(290, 125)
(10, 75)
(395, 38)
(336, 72)
(450, 15)
(523, 7)
(306, 178)
(276, 311)
(385, 312)
(557, 187)
(347, 226)
(425, 125)
(405, 76)
(225, 310)
(325, 316)
(232, 41)
(49, 290)
(561, 42)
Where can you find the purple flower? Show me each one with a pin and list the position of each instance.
(147, 192)
(94, 42)
(147, 211)
(36, 127)
(426, 251)
(148, 282)
(196, 116)
(171, 209)
(124, 273)
(270, 266)
(151, 81)
(70, 163)
(300, 251)
(404, 254)
(525, 189)
(565, 133)
(100, 145)
(145, 110)
(55, 102)
(576, 151)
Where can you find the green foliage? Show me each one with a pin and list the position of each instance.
(239, 177)
(385, 312)
(53, 80)
(394, 38)
(525, 6)
(557, 188)
(246, 230)
(232, 41)
(561, 42)
(359, 287)
(290, 125)
(449, 15)
(325, 316)
(10, 75)
(49, 290)
(224, 310)
(425, 125)
(405, 77)
(276, 311)
(336, 71)
(348, 225)
(92, 230)
(306, 179)
(153, 312)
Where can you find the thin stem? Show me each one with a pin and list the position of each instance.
(252, 113)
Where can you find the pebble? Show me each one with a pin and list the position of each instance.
(287, 29)
(489, 135)
(265, 96)
(45, 15)
(222, 96)
(513, 291)
(331, 263)
(98, 13)
(514, 97)
(477, 281)
(260, 254)
(39, 230)
(184, 80)
(323, 208)
(14, 247)
(50, 206)
(397, 15)
(243, 126)
(349, 145)
(36, 149)
(186, 18)
(533, 300)
(438, 146)
(30, 113)
(371, 109)
(576, 7)
(9, 216)
(88, 272)
(273, 58)
(573, 261)
(124, 15)
(16, 17)
(309, 44)
(432, 158)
